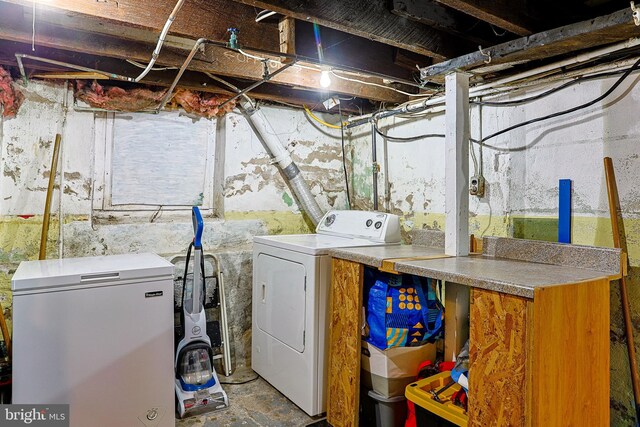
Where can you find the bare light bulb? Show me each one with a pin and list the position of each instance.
(325, 79)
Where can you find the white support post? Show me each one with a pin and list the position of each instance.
(457, 164)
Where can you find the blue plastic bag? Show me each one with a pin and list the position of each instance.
(401, 310)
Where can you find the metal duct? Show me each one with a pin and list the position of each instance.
(278, 151)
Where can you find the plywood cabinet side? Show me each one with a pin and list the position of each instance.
(344, 343)
(498, 359)
(571, 355)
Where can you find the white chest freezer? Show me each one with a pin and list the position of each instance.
(96, 333)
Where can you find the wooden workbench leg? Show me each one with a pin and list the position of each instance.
(497, 359)
(571, 355)
(345, 307)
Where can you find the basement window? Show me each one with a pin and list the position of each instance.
(144, 162)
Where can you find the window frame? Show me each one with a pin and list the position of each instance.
(103, 145)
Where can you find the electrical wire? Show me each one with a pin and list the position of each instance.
(239, 382)
(549, 92)
(319, 70)
(472, 151)
(405, 139)
(613, 87)
(161, 38)
(344, 161)
(482, 141)
(319, 120)
(377, 85)
(264, 15)
(139, 65)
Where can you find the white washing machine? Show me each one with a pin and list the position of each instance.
(291, 278)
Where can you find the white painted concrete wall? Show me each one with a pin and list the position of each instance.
(256, 199)
(520, 182)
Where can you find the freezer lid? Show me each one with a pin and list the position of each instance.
(47, 275)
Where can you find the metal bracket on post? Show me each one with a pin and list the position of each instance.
(457, 164)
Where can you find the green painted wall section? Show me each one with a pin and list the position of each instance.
(277, 222)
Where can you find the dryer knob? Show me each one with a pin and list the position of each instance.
(329, 220)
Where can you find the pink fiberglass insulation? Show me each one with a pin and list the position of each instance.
(202, 103)
(10, 97)
(139, 99)
(117, 98)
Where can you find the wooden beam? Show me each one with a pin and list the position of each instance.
(371, 19)
(215, 60)
(190, 80)
(341, 48)
(599, 31)
(379, 58)
(196, 18)
(433, 14)
(287, 30)
(509, 15)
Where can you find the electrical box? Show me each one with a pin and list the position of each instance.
(476, 187)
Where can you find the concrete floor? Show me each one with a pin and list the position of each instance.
(257, 404)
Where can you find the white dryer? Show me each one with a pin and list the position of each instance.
(291, 278)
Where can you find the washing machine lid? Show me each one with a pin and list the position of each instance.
(312, 244)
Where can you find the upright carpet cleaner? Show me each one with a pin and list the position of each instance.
(197, 387)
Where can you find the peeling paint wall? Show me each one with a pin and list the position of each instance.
(254, 198)
(522, 184)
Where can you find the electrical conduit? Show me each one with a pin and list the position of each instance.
(163, 35)
(281, 156)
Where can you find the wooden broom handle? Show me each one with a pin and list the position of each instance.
(612, 193)
(5, 333)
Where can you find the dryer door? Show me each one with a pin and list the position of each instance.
(281, 299)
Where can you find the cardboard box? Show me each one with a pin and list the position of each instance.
(388, 372)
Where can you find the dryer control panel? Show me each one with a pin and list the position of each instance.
(374, 226)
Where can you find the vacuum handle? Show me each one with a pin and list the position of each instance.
(198, 227)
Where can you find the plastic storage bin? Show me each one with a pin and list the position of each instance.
(388, 372)
(380, 411)
(436, 414)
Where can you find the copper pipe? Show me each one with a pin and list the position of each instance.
(614, 208)
(47, 205)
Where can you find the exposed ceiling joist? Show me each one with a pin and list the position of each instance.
(215, 60)
(371, 19)
(599, 31)
(197, 18)
(190, 80)
(357, 52)
(433, 14)
(510, 15)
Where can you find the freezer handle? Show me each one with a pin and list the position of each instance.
(99, 277)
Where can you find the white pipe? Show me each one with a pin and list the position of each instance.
(583, 57)
(484, 89)
(565, 76)
(163, 35)
(281, 156)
